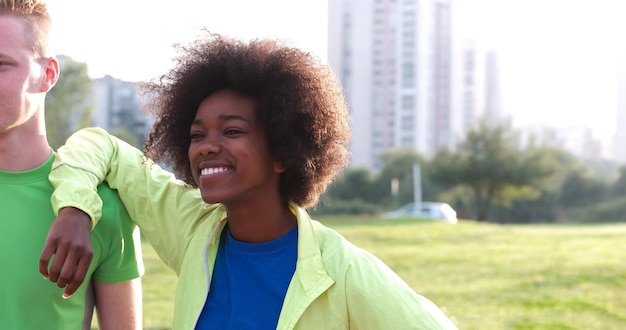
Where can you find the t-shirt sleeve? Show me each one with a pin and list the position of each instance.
(118, 240)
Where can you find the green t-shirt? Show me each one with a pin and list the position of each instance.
(27, 301)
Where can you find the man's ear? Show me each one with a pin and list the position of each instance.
(51, 72)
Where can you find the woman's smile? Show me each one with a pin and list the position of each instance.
(214, 170)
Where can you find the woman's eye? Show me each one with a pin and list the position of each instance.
(231, 131)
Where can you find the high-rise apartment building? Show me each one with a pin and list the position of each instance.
(478, 86)
(394, 59)
(118, 108)
(410, 81)
(619, 142)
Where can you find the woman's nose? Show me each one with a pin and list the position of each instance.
(209, 146)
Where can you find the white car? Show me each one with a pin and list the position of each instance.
(426, 210)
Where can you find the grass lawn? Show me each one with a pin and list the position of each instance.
(484, 276)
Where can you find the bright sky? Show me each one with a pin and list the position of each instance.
(558, 57)
(132, 39)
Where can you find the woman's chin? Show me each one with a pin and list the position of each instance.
(211, 199)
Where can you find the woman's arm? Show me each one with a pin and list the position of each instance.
(379, 298)
(162, 206)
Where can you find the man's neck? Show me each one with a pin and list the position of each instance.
(19, 152)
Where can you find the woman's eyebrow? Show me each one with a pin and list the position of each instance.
(233, 117)
(224, 118)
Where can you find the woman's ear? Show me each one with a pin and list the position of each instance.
(279, 167)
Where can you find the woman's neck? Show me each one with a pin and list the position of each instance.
(260, 224)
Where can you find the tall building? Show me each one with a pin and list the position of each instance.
(118, 109)
(479, 93)
(619, 142)
(393, 58)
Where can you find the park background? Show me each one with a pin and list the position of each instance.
(482, 275)
(538, 243)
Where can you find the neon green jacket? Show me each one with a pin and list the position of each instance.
(336, 285)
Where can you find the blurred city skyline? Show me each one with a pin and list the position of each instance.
(558, 58)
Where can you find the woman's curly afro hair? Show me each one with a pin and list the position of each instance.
(299, 103)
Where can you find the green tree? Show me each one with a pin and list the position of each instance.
(354, 183)
(492, 164)
(398, 164)
(548, 207)
(351, 193)
(619, 187)
(357, 191)
(582, 188)
(68, 103)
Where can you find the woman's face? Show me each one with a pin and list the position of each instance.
(228, 152)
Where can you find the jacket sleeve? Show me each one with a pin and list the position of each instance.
(163, 207)
(380, 299)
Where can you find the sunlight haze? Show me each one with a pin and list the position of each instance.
(558, 58)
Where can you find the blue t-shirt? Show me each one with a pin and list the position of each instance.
(249, 283)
